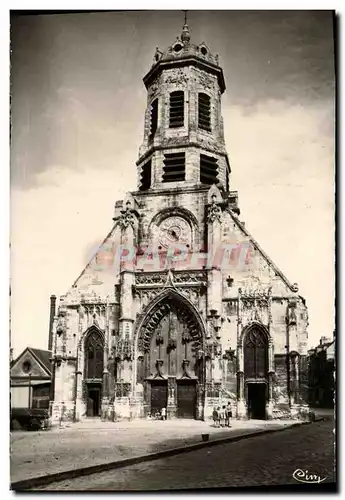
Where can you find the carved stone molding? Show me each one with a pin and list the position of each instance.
(177, 278)
(214, 213)
(206, 81)
(122, 349)
(158, 313)
(155, 85)
(126, 219)
(179, 77)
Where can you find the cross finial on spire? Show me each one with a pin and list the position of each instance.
(185, 37)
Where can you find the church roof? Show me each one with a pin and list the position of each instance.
(293, 286)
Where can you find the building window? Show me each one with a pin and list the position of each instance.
(204, 112)
(26, 366)
(94, 356)
(145, 176)
(208, 170)
(255, 354)
(176, 118)
(153, 118)
(174, 167)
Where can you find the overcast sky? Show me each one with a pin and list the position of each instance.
(78, 106)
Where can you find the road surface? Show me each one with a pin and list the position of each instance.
(257, 461)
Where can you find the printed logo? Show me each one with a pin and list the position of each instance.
(303, 477)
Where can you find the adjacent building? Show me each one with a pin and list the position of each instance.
(181, 308)
(321, 374)
(31, 379)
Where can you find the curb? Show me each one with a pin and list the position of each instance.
(27, 484)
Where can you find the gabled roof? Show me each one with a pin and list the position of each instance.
(41, 356)
(293, 287)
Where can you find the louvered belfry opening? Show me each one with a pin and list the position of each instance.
(174, 167)
(145, 176)
(204, 112)
(208, 170)
(154, 118)
(176, 118)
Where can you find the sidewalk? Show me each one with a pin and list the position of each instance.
(93, 442)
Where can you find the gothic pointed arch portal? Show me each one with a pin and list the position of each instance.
(93, 370)
(255, 354)
(170, 364)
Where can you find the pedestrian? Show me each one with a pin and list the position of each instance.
(228, 415)
(215, 416)
(164, 413)
(222, 416)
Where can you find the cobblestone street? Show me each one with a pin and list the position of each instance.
(264, 460)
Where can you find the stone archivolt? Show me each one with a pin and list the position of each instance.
(153, 319)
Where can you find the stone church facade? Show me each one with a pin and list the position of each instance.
(180, 307)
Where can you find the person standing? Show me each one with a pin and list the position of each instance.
(215, 416)
(228, 414)
(164, 413)
(222, 416)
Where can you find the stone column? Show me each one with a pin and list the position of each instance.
(79, 364)
(105, 386)
(241, 402)
(172, 398)
(270, 402)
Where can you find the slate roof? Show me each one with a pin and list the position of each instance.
(44, 357)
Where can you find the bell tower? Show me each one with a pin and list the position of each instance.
(183, 143)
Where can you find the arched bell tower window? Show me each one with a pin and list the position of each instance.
(255, 353)
(153, 118)
(94, 348)
(145, 176)
(208, 170)
(176, 117)
(204, 112)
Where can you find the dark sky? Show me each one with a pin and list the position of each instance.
(78, 105)
(99, 60)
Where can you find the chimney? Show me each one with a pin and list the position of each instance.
(51, 320)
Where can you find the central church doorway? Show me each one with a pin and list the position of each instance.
(94, 400)
(257, 401)
(170, 364)
(186, 399)
(159, 396)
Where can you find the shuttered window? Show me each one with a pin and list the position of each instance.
(226, 179)
(145, 176)
(153, 118)
(208, 170)
(204, 112)
(176, 118)
(174, 167)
